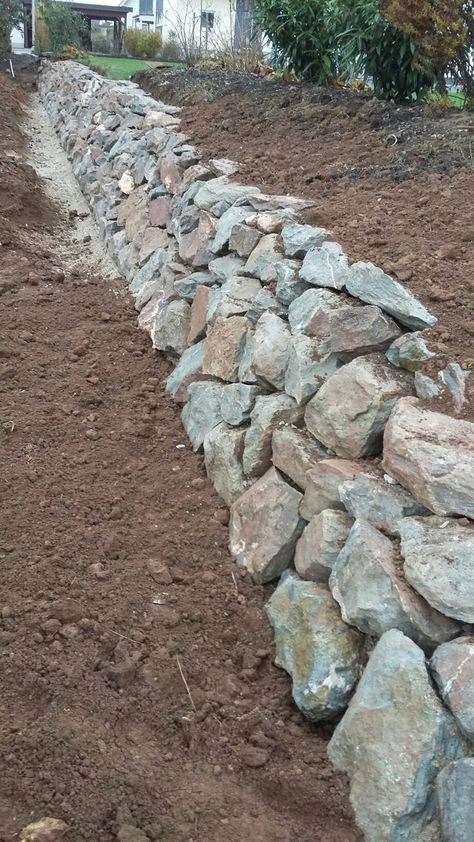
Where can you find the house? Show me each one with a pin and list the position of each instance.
(22, 39)
(206, 23)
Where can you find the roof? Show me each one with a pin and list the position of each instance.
(104, 9)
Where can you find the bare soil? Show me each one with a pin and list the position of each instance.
(393, 183)
(137, 684)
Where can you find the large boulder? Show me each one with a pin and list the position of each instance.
(409, 351)
(220, 193)
(294, 452)
(298, 239)
(271, 347)
(269, 412)
(170, 328)
(234, 297)
(392, 741)
(322, 655)
(187, 371)
(438, 557)
(307, 368)
(202, 412)
(455, 796)
(238, 400)
(360, 330)
(367, 582)
(372, 285)
(225, 225)
(320, 544)
(325, 266)
(379, 500)
(350, 410)
(223, 347)
(309, 313)
(264, 527)
(223, 448)
(322, 485)
(261, 261)
(288, 283)
(452, 667)
(432, 455)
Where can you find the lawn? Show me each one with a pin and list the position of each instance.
(120, 67)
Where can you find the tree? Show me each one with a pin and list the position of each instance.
(64, 26)
(12, 15)
(443, 32)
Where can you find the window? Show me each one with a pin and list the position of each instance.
(146, 7)
(207, 20)
(159, 11)
(146, 26)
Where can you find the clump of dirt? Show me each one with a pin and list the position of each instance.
(393, 183)
(137, 680)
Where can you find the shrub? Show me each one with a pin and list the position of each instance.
(171, 51)
(11, 15)
(142, 44)
(63, 26)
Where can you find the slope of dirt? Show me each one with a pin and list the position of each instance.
(393, 183)
(137, 681)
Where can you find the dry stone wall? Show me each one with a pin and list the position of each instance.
(300, 377)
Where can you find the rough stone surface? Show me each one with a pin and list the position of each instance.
(170, 328)
(269, 412)
(455, 378)
(243, 239)
(452, 667)
(379, 500)
(372, 285)
(409, 351)
(159, 211)
(44, 830)
(298, 239)
(326, 266)
(264, 302)
(392, 741)
(367, 581)
(360, 330)
(307, 369)
(323, 482)
(223, 448)
(234, 297)
(321, 653)
(438, 557)
(454, 792)
(264, 527)
(270, 350)
(294, 451)
(432, 455)
(227, 266)
(425, 387)
(198, 322)
(187, 371)
(223, 347)
(187, 285)
(238, 400)
(261, 261)
(222, 192)
(225, 225)
(309, 313)
(288, 284)
(202, 412)
(350, 411)
(320, 544)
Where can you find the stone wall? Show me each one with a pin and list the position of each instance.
(301, 380)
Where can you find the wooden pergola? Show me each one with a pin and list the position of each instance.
(90, 12)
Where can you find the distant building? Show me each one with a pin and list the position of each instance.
(117, 15)
(207, 22)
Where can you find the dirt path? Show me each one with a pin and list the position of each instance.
(116, 583)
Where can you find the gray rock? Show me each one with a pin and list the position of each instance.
(326, 266)
(223, 166)
(454, 793)
(350, 410)
(264, 527)
(243, 239)
(170, 328)
(320, 544)
(261, 261)
(234, 298)
(438, 557)
(432, 455)
(272, 221)
(392, 741)
(425, 387)
(307, 369)
(186, 286)
(187, 371)
(360, 330)
(309, 313)
(225, 226)
(323, 481)
(452, 667)
(226, 267)
(223, 192)
(150, 271)
(298, 239)
(246, 372)
(367, 582)
(223, 448)
(271, 346)
(372, 285)
(264, 302)
(223, 347)
(455, 378)
(202, 412)
(409, 351)
(238, 400)
(288, 284)
(381, 502)
(320, 653)
(294, 452)
(268, 413)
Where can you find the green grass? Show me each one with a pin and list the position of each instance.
(116, 67)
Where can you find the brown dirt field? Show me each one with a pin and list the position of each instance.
(115, 576)
(406, 206)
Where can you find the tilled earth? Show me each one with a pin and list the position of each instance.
(137, 685)
(393, 183)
